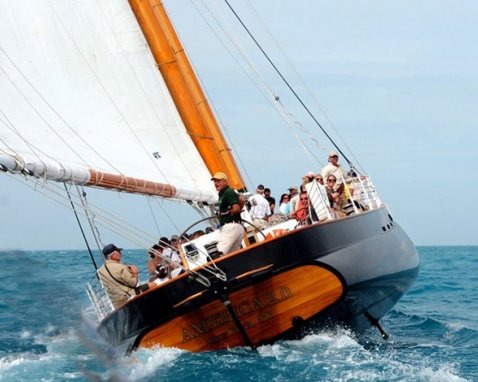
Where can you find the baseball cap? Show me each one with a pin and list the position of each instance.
(219, 176)
(110, 248)
(333, 154)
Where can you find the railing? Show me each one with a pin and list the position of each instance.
(99, 298)
(358, 195)
(319, 201)
(364, 193)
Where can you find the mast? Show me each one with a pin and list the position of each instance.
(185, 90)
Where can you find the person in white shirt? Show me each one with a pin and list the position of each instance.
(333, 168)
(284, 200)
(260, 209)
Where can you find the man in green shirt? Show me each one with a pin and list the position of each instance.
(231, 232)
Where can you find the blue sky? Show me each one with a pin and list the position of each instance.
(399, 80)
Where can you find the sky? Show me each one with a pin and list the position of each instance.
(398, 80)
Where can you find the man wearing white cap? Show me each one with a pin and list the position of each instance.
(231, 231)
(333, 168)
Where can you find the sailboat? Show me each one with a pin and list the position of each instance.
(102, 95)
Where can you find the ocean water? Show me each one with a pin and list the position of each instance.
(47, 332)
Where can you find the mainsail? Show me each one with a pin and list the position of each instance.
(82, 101)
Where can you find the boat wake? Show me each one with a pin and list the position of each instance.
(334, 354)
(326, 355)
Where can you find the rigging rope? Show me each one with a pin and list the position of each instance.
(268, 93)
(113, 226)
(153, 215)
(90, 217)
(81, 228)
(35, 109)
(304, 84)
(287, 83)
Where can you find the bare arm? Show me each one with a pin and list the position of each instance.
(235, 209)
(151, 267)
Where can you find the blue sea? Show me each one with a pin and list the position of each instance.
(47, 332)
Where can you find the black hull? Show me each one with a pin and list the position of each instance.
(371, 255)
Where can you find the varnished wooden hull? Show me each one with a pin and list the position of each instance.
(266, 309)
(347, 272)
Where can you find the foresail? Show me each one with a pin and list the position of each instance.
(81, 100)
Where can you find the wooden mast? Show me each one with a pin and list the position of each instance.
(185, 90)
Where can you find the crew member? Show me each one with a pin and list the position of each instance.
(230, 232)
(120, 280)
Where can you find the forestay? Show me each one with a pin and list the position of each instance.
(81, 97)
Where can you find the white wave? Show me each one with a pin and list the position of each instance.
(445, 373)
(7, 363)
(14, 367)
(339, 338)
(276, 351)
(455, 325)
(145, 362)
(336, 337)
(25, 334)
(336, 355)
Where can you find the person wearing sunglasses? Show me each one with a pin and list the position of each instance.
(294, 201)
(302, 207)
(284, 200)
(319, 179)
(334, 195)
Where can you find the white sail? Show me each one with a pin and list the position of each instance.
(80, 94)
